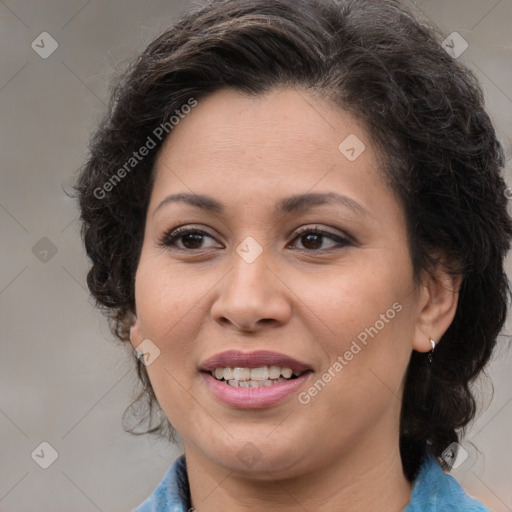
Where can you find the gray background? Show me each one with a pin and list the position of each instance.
(63, 380)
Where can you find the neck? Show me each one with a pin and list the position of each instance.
(366, 478)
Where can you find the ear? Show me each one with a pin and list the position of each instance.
(135, 334)
(439, 296)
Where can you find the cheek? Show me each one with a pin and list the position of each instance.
(350, 299)
(166, 309)
(167, 314)
(367, 329)
(166, 297)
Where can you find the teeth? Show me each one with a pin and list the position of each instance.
(242, 373)
(254, 383)
(274, 372)
(254, 377)
(259, 373)
(286, 372)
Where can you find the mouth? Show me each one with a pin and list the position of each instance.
(253, 380)
(259, 377)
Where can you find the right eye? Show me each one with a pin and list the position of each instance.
(189, 238)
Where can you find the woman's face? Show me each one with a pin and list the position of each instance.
(250, 276)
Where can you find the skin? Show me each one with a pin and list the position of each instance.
(307, 299)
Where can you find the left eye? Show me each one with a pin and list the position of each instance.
(311, 239)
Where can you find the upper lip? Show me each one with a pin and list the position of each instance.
(238, 359)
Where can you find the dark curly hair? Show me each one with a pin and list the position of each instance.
(423, 110)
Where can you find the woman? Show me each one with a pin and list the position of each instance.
(295, 214)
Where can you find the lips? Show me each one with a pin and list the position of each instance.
(237, 358)
(254, 397)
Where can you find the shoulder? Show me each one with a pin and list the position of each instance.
(172, 493)
(435, 491)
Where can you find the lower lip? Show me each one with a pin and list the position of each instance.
(253, 398)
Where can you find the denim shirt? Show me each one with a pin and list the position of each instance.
(432, 491)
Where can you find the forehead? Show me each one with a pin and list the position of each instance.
(286, 141)
(287, 121)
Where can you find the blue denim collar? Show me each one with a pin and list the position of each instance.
(172, 493)
(433, 491)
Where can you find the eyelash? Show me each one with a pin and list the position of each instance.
(169, 238)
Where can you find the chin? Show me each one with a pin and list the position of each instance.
(260, 457)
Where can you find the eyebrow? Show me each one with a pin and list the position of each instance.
(292, 204)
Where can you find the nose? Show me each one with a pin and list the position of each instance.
(252, 296)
